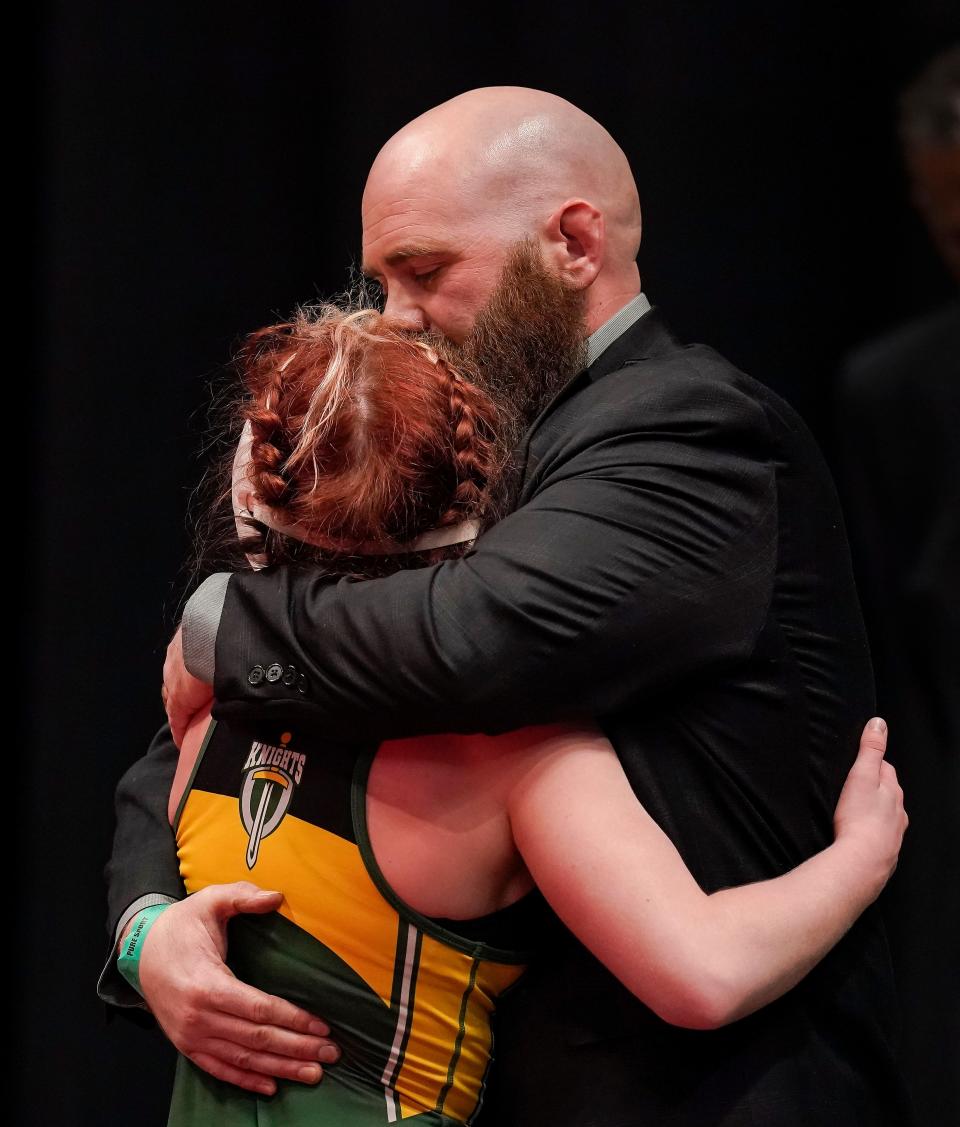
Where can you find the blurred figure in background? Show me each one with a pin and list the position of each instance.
(899, 431)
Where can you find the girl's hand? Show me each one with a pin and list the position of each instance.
(870, 816)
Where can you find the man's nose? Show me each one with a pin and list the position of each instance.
(405, 314)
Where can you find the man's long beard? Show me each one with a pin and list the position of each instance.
(528, 341)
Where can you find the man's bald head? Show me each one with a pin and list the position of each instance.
(514, 155)
(488, 169)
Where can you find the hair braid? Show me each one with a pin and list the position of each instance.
(472, 416)
(265, 356)
(269, 450)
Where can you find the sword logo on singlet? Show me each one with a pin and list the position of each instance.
(270, 776)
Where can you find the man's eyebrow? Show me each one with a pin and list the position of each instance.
(402, 253)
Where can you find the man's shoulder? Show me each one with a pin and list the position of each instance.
(651, 387)
(686, 369)
(686, 408)
(688, 385)
(649, 365)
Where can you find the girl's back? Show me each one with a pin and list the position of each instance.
(409, 997)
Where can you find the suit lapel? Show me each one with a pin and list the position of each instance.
(648, 336)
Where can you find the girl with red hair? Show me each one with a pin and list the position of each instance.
(413, 872)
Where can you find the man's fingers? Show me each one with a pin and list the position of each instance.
(303, 1070)
(178, 726)
(272, 1041)
(256, 902)
(249, 1081)
(229, 900)
(231, 996)
(178, 718)
(185, 694)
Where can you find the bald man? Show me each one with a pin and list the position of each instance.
(672, 561)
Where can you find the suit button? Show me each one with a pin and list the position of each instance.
(255, 676)
(301, 684)
(274, 673)
(290, 676)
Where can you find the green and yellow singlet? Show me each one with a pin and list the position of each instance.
(409, 1001)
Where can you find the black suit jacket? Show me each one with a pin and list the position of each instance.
(677, 566)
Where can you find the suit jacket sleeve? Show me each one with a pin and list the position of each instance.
(144, 857)
(642, 553)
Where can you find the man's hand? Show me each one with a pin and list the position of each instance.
(183, 694)
(231, 1030)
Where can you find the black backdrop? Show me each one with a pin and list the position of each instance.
(201, 169)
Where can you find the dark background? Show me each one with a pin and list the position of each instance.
(200, 172)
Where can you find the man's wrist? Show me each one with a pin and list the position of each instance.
(201, 621)
(150, 900)
(112, 987)
(131, 946)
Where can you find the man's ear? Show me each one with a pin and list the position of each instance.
(575, 241)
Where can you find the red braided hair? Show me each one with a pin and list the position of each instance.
(362, 434)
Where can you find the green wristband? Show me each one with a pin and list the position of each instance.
(128, 961)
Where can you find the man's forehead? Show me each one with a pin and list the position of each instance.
(394, 247)
(403, 252)
(405, 227)
(421, 248)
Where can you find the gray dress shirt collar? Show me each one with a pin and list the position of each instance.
(598, 342)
